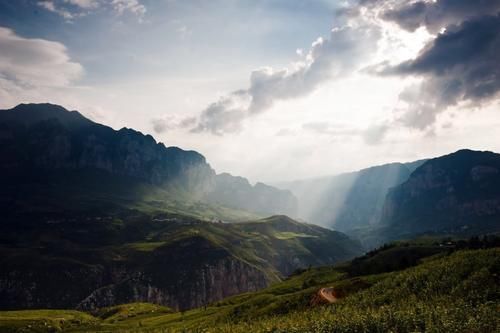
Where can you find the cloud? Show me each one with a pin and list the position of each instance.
(131, 6)
(162, 125)
(332, 129)
(50, 6)
(376, 133)
(435, 15)
(71, 9)
(371, 135)
(87, 4)
(223, 116)
(327, 59)
(29, 63)
(459, 65)
(285, 132)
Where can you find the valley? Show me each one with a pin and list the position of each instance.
(452, 284)
(106, 230)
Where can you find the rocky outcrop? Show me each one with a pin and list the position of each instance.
(215, 282)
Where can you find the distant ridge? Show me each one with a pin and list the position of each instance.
(350, 200)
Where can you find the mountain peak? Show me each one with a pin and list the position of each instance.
(29, 114)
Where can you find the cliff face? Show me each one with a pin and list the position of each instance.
(188, 273)
(214, 282)
(37, 138)
(58, 139)
(457, 191)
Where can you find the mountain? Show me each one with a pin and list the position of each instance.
(351, 200)
(237, 192)
(456, 193)
(43, 143)
(93, 217)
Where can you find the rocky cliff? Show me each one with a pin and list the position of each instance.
(186, 274)
(189, 273)
(456, 192)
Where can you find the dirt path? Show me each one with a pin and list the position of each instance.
(328, 294)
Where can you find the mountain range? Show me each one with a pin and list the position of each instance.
(93, 217)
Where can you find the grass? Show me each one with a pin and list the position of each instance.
(43, 320)
(290, 235)
(441, 292)
(144, 246)
(459, 293)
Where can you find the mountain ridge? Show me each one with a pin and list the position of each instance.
(40, 137)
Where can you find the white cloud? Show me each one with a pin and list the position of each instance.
(31, 63)
(132, 6)
(169, 122)
(328, 59)
(87, 4)
(51, 6)
(71, 9)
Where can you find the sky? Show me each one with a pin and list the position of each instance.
(272, 90)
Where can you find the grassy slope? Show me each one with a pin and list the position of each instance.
(445, 292)
(459, 293)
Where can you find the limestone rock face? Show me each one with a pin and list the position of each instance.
(460, 190)
(212, 282)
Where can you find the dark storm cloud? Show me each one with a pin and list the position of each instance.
(472, 43)
(461, 64)
(439, 14)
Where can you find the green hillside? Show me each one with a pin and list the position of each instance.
(90, 261)
(431, 286)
